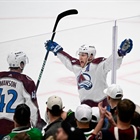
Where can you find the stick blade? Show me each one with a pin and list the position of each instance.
(68, 12)
(60, 16)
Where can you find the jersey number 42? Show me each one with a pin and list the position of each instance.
(7, 106)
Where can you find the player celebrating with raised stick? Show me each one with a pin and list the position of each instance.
(90, 72)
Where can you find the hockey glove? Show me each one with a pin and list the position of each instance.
(53, 46)
(125, 47)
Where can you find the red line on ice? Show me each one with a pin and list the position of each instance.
(57, 92)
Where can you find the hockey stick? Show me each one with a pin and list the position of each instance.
(59, 17)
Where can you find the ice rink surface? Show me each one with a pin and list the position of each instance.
(26, 25)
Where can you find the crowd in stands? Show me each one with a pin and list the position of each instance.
(119, 122)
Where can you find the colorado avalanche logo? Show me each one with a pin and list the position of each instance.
(84, 81)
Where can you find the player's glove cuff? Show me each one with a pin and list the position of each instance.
(57, 49)
(121, 53)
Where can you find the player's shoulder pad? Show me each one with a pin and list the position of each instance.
(27, 77)
(98, 60)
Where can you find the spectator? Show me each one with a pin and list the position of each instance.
(65, 115)
(68, 132)
(22, 124)
(69, 117)
(114, 94)
(95, 117)
(16, 88)
(54, 111)
(83, 115)
(123, 129)
(136, 119)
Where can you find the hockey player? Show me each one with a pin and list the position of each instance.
(90, 72)
(16, 88)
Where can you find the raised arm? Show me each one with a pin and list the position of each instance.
(64, 57)
(124, 48)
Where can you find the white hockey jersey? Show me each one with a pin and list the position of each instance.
(16, 88)
(91, 80)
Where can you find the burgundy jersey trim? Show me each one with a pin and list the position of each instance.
(98, 60)
(28, 83)
(6, 126)
(74, 61)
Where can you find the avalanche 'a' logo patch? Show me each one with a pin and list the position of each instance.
(84, 81)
